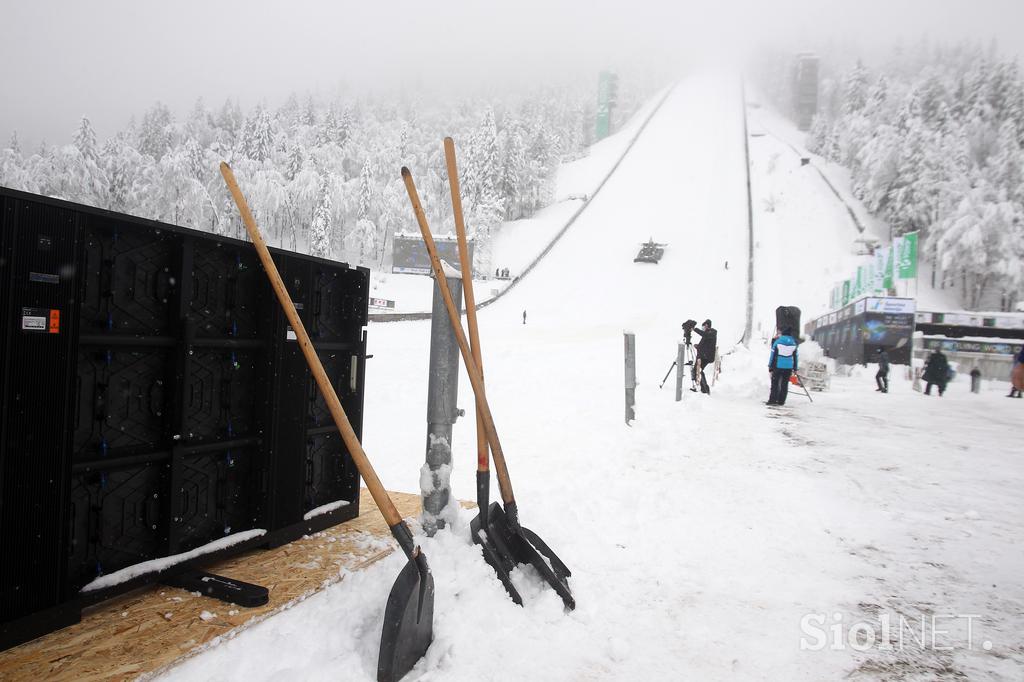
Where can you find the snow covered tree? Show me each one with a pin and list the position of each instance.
(361, 242)
(124, 166)
(513, 170)
(13, 172)
(983, 241)
(295, 162)
(156, 133)
(819, 134)
(174, 195)
(366, 193)
(855, 93)
(258, 136)
(322, 228)
(85, 140)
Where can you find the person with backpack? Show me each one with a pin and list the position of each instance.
(882, 377)
(782, 363)
(936, 371)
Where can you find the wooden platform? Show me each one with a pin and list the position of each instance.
(150, 629)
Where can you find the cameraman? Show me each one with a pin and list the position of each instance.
(706, 349)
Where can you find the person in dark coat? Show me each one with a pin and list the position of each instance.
(707, 348)
(1017, 376)
(936, 371)
(781, 364)
(882, 377)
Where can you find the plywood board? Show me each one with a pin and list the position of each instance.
(152, 628)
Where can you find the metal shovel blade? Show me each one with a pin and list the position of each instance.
(525, 547)
(408, 621)
(501, 563)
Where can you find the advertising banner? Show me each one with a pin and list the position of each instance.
(888, 329)
(880, 261)
(958, 346)
(891, 305)
(606, 82)
(908, 256)
(887, 267)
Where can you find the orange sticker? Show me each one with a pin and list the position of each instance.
(54, 321)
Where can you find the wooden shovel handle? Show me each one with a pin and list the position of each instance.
(355, 449)
(482, 463)
(471, 368)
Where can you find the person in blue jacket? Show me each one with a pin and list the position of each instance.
(781, 364)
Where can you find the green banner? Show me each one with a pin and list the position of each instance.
(908, 256)
(887, 270)
(846, 291)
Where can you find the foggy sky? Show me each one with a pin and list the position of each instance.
(111, 59)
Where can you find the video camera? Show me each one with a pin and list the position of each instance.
(688, 327)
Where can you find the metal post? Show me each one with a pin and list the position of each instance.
(750, 222)
(680, 370)
(630, 346)
(442, 394)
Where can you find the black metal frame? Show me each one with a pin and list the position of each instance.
(163, 404)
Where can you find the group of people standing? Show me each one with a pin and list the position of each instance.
(937, 373)
(783, 363)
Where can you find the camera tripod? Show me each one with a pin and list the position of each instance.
(689, 360)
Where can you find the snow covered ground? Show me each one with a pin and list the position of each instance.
(715, 538)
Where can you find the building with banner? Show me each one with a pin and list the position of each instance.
(854, 332)
(890, 271)
(984, 341)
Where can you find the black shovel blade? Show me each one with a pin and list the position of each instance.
(501, 563)
(408, 621)
(526, 547)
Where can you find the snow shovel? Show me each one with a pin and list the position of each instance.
(409, 614)
(479, 529)
(516, 544)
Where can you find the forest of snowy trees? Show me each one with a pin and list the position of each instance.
(323, 176)
(933, 139)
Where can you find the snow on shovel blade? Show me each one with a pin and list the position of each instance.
(408, 620)
(525, 547)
